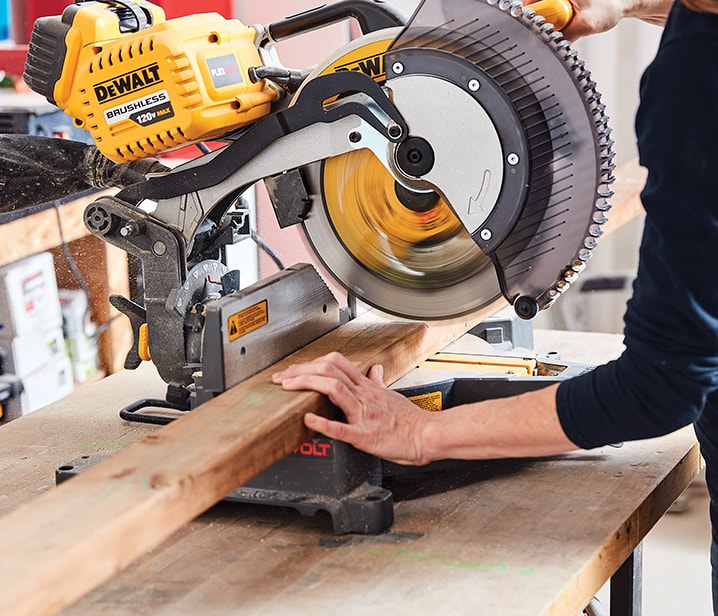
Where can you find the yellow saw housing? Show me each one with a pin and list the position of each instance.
(155, 89)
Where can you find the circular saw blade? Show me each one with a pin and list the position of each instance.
(553, 163)
(401, 250)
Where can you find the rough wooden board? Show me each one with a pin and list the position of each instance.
(101, 521)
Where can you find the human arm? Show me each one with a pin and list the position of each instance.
(386, 424)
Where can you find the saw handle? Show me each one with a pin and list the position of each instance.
(557, 12)
(371, 14)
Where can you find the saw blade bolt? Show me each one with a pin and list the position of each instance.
(512, 159)
(474, 85)
(486, 234)
(397, 68)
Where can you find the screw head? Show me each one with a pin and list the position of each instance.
(486, 234)
(512, 159)
(473, 85)
(398, 68)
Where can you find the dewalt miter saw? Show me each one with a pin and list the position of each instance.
(434, 163)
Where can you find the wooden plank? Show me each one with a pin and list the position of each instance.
(99, 522)
(501, 537)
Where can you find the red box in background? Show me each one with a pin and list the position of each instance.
(23, 13)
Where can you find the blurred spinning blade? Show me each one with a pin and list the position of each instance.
(412, 239)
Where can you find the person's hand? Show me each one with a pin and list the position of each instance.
(380, 421)
(596, 16)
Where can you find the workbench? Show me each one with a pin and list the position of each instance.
(509, 537)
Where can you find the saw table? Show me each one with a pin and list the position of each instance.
(536, 536)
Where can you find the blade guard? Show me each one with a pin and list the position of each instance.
(570, 160)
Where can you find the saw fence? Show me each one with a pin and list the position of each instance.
(74, 537)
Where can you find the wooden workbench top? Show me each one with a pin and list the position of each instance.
(535, 536)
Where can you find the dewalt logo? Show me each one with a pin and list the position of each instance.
(129, 83)
(367, 59)
(373, 66)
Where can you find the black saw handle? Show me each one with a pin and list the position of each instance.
(371, 14)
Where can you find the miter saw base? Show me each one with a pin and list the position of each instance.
(325, 475)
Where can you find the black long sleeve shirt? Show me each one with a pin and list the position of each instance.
(670, 366)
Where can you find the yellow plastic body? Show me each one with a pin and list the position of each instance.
(178, 82)
(557, 12)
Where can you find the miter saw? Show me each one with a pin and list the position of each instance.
(434, 165)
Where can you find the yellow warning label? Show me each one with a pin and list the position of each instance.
(432, 401)
(241, 323)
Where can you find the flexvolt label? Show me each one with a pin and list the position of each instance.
(143, 111)
(129, 83)
(224, 71)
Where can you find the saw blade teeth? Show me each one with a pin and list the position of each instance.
(595, 230)
(578, 266)
(602, 204)
(562, 286)
(546, 247)
(590, 243)
(570, 276)
(600, 218)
